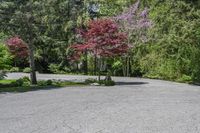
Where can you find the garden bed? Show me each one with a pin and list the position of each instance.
(23, 85)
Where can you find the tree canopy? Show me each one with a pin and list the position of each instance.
(164, 35)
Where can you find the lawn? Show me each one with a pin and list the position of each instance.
(23, 85)
(6, 81)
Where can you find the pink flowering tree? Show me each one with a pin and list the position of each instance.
(135, 23)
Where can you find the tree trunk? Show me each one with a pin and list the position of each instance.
(128, 66)
(124, 66)
(95, 65)
(85, 63)
(32, 65)
(128, 58)
(99, 69)
(99, 75)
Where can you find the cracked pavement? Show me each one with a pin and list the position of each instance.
(134, 105)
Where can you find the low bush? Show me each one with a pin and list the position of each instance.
(90, 81)
(185, 78)
(49, 82)
(106, 82)
(54, 68)
(42, 83)
(109, 83)
(58, 69)
(19, 82)
(14, 69)
(26, 81)
(27, 70)
(45, 83)
(5, 57)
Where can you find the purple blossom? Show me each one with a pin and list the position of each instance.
(143, 23)
(134, 21)
(144, 13)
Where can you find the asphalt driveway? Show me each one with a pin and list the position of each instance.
(133, 106)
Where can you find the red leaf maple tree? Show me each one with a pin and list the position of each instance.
(102, 38)
(17, 47)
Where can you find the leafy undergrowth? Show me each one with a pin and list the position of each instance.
(23, 85)
(183, 79)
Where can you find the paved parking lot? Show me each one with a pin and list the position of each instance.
(132, 106)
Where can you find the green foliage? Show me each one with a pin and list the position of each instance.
(90, 81)
(19, 82)
(25, 81)
(67, 83)
(117, 67)
(49, 82)
(6, 81)
(45, 83)
(54, 68)
(106, 82)
(5, 57)
(113, 7)
(27, 70)
(11, 83)
(172, 54)
(185, 79)
(14, 69)
(23, 85)
(58, 69)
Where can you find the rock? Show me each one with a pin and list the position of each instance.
(95, 84)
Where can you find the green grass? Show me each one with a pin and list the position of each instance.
(67, 83)
(54, 85)
(22, 89)
(6, 81)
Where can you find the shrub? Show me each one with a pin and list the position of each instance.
(67, 69)
(90, 80)
(14, 69)
(5, 57)
(185, 78)
(106, 82)
(116, 67)
(45, 83)
(49, 82)
(42, 83)
(26, 81)
(27, 70)
(55, 68)
(19, 82)
(109, 83)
